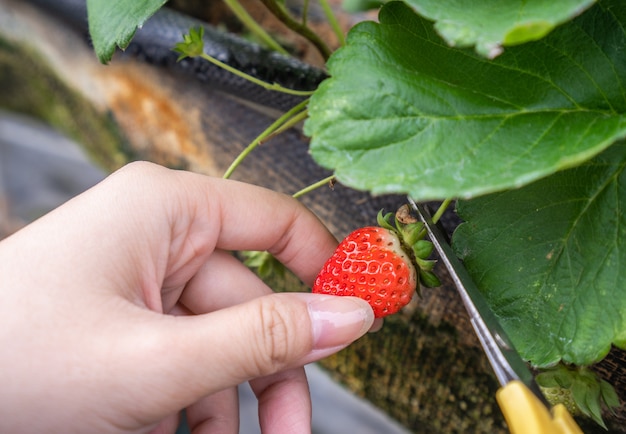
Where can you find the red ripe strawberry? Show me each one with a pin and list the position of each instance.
(370, 263)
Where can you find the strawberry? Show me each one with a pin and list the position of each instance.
(377, 264)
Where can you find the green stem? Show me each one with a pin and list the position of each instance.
(305, 12)
(314, 186)
(274, 86)
(442, 208)
(332, 20)
(294, 111)
(253, 26)
(288, 124)
(279, 12)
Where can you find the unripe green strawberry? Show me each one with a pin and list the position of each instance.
(370, 263)
(580, 389)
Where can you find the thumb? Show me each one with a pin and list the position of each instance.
(211, 352)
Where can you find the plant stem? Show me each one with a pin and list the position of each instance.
(313, 186)
(293, 112)
(279, 11)
(253, 26)
(305, 12)
(274, 86)
(442, 208)
(332, 20)
(288, 124)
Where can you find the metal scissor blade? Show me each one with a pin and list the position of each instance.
(505, 361)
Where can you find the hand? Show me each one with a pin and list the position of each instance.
(123, 306)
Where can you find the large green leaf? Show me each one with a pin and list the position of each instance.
(490, 24)
(114, 22)
(551, 259)
(404, 112)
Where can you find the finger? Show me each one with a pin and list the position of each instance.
(203, 354)
(200, 213)
(284, 402)
(158, 227)
(377, 325)
(224, 273)
(293, 234)
(168, 425)
(215, 414)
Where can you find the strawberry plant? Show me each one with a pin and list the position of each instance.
(516, 109)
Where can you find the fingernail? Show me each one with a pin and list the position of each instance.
(338, 321)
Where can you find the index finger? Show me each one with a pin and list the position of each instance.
(266, 220)
(204, 213)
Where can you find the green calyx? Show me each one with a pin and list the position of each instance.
(429, 279)
(411, 233)
(423, 248)
(192, 45)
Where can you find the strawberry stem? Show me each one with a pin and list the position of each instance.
(278, 123)
(288, 124)
(314, 186)
(442, 208)
(254, 27)
(305, 12)
(332, 20)
(278, 9)
(263, 84)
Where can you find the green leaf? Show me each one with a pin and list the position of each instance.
(114, 22)
(592, 402)
(361, 5)
(264, 262)
(490, 24)
(550, 259)
(404, 112)
(609, 395)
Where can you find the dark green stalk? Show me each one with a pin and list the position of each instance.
(253, 26)
(279, 11)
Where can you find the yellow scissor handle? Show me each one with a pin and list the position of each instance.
(525, 414)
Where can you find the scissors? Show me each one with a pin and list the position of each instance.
(523, 405)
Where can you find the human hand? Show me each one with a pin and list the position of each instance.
(122, 307)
